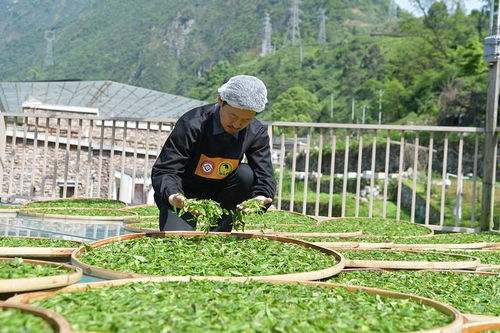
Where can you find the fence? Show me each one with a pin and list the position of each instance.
(427, 174)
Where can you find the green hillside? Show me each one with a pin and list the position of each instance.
(430, 69)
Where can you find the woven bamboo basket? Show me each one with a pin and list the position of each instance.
(137, 219)
(110, 274)
(37, 252)
(454, 326)
(57, 322)
(126, 214)
(43, 282)
(473, 263)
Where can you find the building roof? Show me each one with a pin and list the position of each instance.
(112, 99)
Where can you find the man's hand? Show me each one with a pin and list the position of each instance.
(177, 200)
(261, 198)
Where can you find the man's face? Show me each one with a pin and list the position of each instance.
(233, 119)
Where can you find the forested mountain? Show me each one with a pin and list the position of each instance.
(418, 69)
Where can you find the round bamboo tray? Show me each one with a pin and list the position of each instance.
(493, 325)
(430, 232)
(435, 265)
(57, 322)
(40, 283)
(110, 274)
(28, 212)
(454, 326)
(37, 252)
(315, 234)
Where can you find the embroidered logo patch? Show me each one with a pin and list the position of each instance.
(225, 169)
(207, 167)
(215, 167)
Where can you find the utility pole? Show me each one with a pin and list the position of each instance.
(331, 105)
(322, 29)
(380, 93)
(353, 102)
(492, 56)
(49, 36)
(267, 48)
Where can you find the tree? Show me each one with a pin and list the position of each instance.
(295, 104)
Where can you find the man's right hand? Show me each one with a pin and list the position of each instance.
(177, 200)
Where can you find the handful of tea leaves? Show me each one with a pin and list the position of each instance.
(204, 212)
(248, 207)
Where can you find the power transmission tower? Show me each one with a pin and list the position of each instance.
(49, 36)
(294, 28)
(393, 10)
(322, 30)
(267, 48)
(457, 5)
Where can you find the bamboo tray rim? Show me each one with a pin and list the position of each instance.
(454, 326)
(311, 275)
(42, 282)
(56, 321)
(481, 326)
(394, 264)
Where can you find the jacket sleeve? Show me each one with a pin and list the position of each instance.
(259, 159)
(173, 159)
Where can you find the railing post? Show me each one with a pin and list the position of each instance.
(490, 149)
(3, 143)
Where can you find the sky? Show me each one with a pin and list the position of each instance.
(469, 4)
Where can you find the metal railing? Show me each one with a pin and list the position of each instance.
(426, 174)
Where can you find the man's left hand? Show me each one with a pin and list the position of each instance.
(261, 198)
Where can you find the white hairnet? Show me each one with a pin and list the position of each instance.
(244, 92)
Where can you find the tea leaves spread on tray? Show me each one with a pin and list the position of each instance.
(17, 269)
(207, 255)
(490, 258)
(448, 238)
(81, 203)
(146, 211)
(33, 242)
(272, 217)
(468, 292)
(400, 256)
(79, 212)
(374, 226)
(211, 306)
(147, 225)
(15, 321)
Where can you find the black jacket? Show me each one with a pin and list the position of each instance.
(198, 152)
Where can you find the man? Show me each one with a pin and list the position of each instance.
(202, 156)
